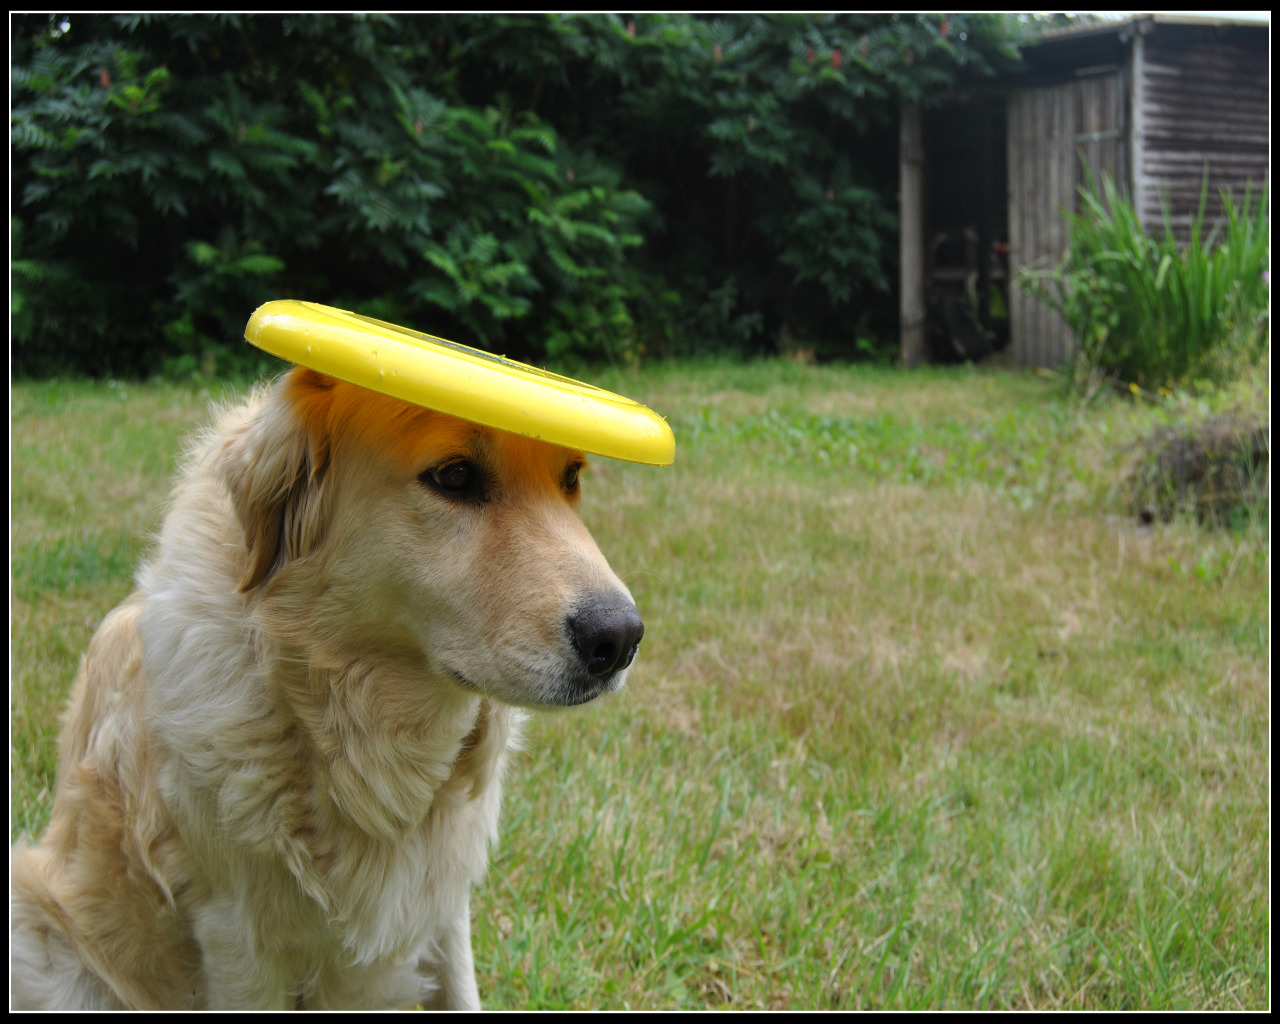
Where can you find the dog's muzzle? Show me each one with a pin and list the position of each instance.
(605, 635)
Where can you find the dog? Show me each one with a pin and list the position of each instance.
(281, 767)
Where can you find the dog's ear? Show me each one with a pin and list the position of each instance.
(275, 469)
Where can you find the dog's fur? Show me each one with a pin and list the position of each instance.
(280, 768)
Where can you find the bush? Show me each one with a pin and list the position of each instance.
(554, 186)
(177, 171)
(1149, 311)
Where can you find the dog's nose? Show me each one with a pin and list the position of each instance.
(605, 635)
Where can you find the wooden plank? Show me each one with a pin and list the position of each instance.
(1013, 215)
(1020, 319)
(1057, 340)
(1141, 186)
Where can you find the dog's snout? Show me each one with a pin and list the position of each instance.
(605, 635)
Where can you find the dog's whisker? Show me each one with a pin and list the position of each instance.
(643, 572)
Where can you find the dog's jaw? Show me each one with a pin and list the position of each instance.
(537, 692)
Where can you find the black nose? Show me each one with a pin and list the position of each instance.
(606, 634)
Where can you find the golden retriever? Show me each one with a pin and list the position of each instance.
(281, 767)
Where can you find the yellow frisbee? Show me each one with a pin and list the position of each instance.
(461, 381)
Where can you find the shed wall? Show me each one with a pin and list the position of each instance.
(1204, 99)
(1049, 130)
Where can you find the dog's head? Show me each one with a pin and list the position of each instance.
(376, 528)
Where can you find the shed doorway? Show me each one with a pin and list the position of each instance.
(966, 227)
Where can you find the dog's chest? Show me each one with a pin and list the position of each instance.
(365, 928)
(390, 900)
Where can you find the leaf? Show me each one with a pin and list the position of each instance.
(204, 254)
(226, 165)
(259, 265)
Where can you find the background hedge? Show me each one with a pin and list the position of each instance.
(552, 186)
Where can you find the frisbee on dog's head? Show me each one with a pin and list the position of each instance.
(466, 382)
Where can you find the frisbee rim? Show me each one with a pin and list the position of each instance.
(475, 385)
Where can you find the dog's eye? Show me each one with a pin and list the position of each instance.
(459, 479)
(571, 477)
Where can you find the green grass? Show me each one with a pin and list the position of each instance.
(921, 718)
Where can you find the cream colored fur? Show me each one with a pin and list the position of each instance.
(280, 769)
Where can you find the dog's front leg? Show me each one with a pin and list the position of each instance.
(456, 970)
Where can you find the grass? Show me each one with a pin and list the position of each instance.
(921, 719)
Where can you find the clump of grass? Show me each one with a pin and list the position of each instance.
(1217, 471)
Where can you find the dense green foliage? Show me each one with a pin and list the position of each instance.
(1151, 311)
(592, 186)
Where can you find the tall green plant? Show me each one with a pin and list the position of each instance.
(1151, 311)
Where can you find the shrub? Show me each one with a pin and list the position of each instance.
(172, 172)
(564, 186)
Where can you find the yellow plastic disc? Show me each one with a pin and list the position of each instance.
(461, 381)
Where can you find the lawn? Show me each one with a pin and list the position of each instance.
(923, 716)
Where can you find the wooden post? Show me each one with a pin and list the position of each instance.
(911, 325)
(1138, 136)
(984, 221)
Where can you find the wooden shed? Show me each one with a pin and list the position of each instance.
(1156, 101)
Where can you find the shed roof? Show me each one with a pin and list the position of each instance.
(1100, 44)
(1126, 26)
